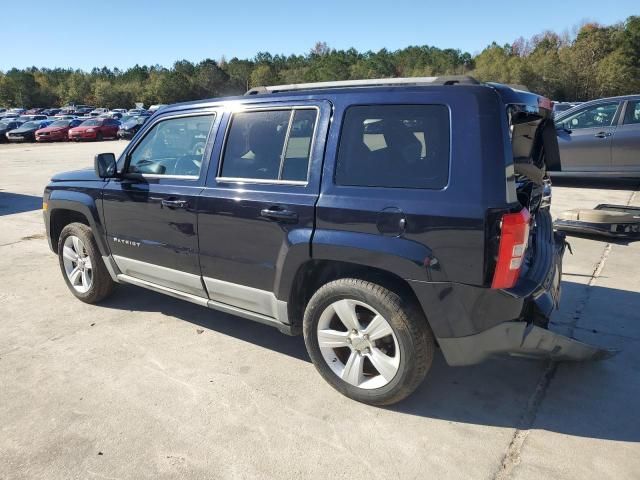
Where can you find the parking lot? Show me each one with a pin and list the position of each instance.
(147, 386)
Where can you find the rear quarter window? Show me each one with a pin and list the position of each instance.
(394, 146)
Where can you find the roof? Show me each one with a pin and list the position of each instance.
(508, 94)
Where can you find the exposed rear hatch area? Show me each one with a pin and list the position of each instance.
(513, 232)
(525, 252)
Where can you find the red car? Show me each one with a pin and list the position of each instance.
(58, 131)
(95, 129)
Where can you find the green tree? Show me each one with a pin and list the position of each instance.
(263, 74)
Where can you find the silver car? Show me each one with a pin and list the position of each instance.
(600, 138)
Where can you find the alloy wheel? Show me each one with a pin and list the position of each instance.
(358, 344)
(77, 264)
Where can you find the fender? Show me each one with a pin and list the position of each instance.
(82, 203)
(295, 252)
(405, 258)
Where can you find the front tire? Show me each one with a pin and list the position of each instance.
(367, 342)
(81, 264)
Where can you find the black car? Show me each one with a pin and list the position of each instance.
(32, 117)
(50, 112)
(130, 127)
(378, 218)
(27, 131)
(83, 110)
(6, 126)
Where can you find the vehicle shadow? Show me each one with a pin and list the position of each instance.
(589, 399)
(598, 183)
(11, 203)
(129, 297)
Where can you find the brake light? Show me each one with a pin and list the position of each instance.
(544, 102)
(514, 237)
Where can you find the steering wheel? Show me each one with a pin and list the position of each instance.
(188, 165)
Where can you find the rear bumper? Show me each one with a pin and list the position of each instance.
(83, 136)
(475, 323)
(23, 138)
(519, 339)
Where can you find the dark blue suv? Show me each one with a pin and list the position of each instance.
(379, 218)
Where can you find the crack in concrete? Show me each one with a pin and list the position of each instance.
(512, 457)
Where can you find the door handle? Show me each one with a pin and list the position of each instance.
(602, 134)
(174, 203)
(279, 215)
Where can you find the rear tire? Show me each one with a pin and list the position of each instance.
(382, 351)
(99, 137)
(81, 264)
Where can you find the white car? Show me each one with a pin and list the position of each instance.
(153, 108)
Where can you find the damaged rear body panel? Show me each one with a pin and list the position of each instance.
(532, 300)
(520, 339)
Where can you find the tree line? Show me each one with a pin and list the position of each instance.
(595, 61)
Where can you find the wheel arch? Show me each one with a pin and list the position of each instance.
(313, 274)
(65, 207)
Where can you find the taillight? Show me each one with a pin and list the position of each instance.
(514, 237)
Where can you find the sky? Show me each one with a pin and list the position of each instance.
(122, 33)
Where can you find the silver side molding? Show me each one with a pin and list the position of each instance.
(156, 274)
(258, 305)
(241, 296)
(162, 289)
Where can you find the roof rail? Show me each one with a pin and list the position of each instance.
(376, 82)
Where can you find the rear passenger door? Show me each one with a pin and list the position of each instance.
(256, 212)
(625, 149)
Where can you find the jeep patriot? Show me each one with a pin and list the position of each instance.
(381, 219)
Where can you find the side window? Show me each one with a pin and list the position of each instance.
(598, 116)
(269, 145)
(632, 115)
(173, 147)
(396, 146)
(296, 157)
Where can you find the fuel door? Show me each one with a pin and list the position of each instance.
(392, 222)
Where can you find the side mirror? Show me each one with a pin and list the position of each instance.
(105, 165)
(563, 126)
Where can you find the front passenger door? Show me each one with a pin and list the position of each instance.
(150, 213)
(585, 138)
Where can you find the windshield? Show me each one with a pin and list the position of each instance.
(29, 125)
(562, 108)
(134, 121)
(92, 123)
(60, 123)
